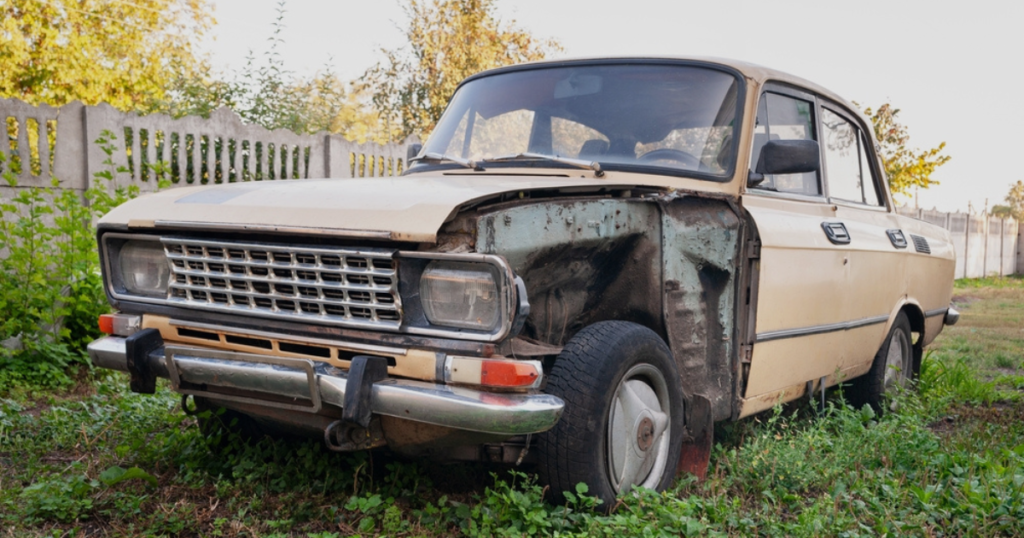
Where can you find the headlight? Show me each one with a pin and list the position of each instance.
(144, 268)
(461, 294)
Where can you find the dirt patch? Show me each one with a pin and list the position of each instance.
(964, 300)
(943, 426)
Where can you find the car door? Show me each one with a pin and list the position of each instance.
(876, 246)
(802, 294)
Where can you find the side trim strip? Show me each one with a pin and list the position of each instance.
(819, 329)
(936, 312)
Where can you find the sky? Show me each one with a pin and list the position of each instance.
(952, 68)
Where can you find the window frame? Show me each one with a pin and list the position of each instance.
(872, 157)
(798, 93)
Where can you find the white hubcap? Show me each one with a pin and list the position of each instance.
(897, 360)
(638, 429)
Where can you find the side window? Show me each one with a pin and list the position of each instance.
(780, 117)
(846, 162)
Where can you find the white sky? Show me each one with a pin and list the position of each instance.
(953, 68)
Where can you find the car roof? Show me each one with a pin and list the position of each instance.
(754, 73)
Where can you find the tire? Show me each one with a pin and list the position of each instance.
(893, 367)
(621, 386)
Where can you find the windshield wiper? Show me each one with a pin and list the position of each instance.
(579, 163)
(445, 158)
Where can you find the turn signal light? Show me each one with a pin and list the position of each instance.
(496, 373)
(107, 323)
(120, 324)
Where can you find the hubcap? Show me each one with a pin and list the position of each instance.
(638, 429)
(897, 360)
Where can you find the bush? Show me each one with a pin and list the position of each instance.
(51, 291)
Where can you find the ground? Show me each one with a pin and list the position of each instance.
(98, 460)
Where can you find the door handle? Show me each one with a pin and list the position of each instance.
(836, 232)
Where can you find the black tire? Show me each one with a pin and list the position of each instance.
(606, 365)
(872, 387)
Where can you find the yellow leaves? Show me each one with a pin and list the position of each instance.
(124, 53)
(448, 41)
(906, 168)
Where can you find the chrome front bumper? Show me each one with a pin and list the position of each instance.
(306, 385)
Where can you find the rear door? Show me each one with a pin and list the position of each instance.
(877, 247)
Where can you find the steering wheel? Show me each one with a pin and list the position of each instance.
(682, 157)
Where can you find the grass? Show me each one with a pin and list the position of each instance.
(101, 461)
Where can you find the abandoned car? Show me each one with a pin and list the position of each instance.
(587, 264)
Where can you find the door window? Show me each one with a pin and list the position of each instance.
(846, 164)
(781, 117)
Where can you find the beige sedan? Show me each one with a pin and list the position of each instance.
(588, 265)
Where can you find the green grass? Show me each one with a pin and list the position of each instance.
(101, 461)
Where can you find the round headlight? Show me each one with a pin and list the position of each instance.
(461, 294)
(144, 268)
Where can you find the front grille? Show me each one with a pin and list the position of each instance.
(341, 286)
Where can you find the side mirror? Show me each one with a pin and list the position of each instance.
(786, 157)
(412, 151)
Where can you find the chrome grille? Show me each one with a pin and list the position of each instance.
(343, 286)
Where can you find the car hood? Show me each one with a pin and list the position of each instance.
(407, 208)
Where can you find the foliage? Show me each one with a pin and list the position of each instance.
(125, 53)
(949, 461)
(906, 168)
(268, 94)
(51, 291)
(1014, 207)
(448, 41)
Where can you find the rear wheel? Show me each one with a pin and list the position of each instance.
(623, 419)
(893, 367)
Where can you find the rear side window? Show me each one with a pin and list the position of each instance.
(781, 117)
(846, 163)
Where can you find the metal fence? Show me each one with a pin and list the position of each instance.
(985, 246)
(44, 142)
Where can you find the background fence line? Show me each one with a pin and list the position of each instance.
(985, 246)
(45, 142)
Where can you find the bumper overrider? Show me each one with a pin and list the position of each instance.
(308, 386)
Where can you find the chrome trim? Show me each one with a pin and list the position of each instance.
(203, 371)
(197, 264)
(936, 312)
(501, 332)
(819, 329)
(952, 316)
(508, 288)
(398, 351)
(221, 227)
(432, 403)
(109, 352)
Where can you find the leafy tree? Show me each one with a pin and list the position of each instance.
(1014, 207)
(448, 41)
(906, 168)
(267, 93)
(124, 53)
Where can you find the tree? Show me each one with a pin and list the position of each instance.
(124, 53)
(1014, 207)
(448, 41)
(906, 168)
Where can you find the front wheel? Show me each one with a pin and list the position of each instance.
(623, 420)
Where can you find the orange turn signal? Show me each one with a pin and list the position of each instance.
(107, 323)
(497, 373)
(507, 374)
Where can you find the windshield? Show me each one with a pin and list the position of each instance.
(648, 117)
